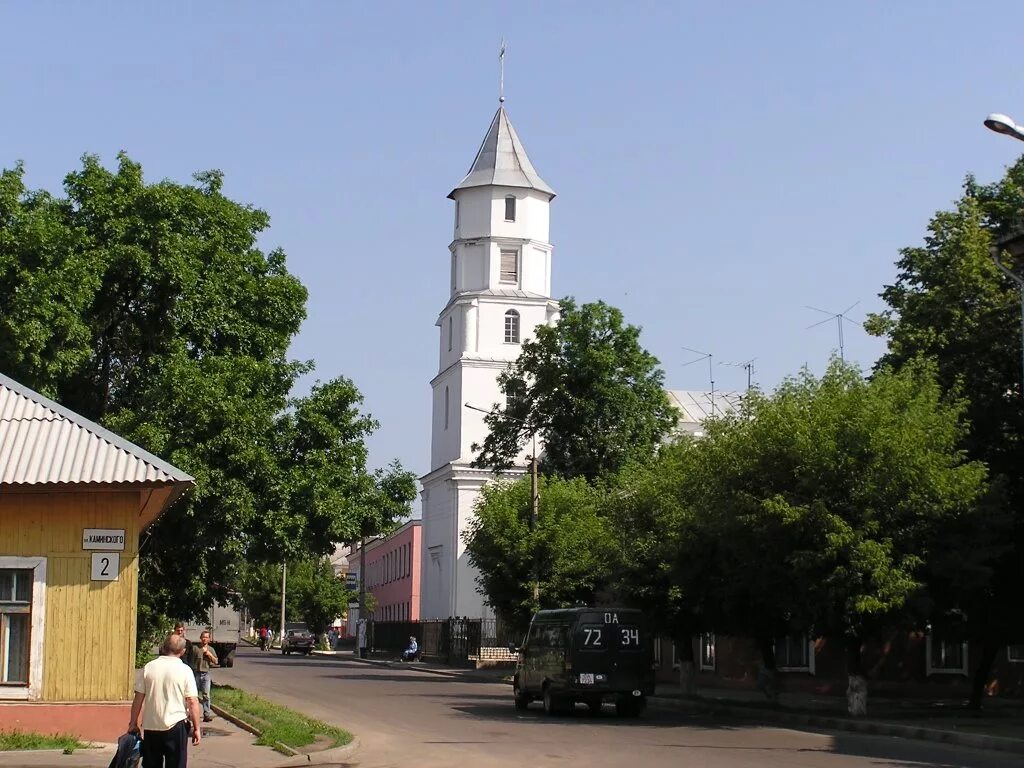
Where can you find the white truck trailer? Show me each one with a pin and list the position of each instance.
(224, 624)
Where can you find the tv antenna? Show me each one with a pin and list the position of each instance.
(839, 317)
(748, 366)
(711, 370)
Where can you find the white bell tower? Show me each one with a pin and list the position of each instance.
(500, 290)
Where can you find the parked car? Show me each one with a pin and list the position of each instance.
(297, 639)
(587, 655)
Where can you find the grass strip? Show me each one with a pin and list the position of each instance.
(278, 724)
(12, 740)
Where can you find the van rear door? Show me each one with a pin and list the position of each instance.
(614, 647)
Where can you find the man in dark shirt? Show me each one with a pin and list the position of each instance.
(201, 657)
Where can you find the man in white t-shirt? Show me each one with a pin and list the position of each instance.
(165, 700)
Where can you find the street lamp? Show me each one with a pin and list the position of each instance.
(1002, 124)
(1013, 243)
(534, 500)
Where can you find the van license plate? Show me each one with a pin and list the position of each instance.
(587, 678)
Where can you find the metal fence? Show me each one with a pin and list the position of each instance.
(455, 641)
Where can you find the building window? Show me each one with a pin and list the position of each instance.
(794, 654)
(447, 408)
(511, 327)
(944, 656)
(22, 610)
(449, 333)
(15, 625)
(707, 651)
(457, 215)
(509, 267)
(1015, 653)
(510, 208)
(455, 271)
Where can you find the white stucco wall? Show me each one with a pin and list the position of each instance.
(482, 213)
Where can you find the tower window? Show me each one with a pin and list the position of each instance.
(510, 208)
(449, 333)
(447, 408)
(511, 327)
(509, 267)
(456, 214)
(455, 270)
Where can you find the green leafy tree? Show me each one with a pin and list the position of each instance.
(823, 500)
(588, 390)
(664, 559)
(150, 309)
(951, 305)
(570, 550)
(314, 594)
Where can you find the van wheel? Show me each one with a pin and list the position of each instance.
(631, 706)
(521, 698)
(553, 705)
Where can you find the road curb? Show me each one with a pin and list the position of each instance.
(250, 728)
(871, 727)
(335, 755)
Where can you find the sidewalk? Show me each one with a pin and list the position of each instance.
(1000, 726)
(224, 745)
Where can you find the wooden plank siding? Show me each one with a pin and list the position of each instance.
(89, 636)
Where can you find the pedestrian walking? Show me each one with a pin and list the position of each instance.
(201, 657)
(165, 702)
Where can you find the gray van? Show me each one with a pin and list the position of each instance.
(587, 655)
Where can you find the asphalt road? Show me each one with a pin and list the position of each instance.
(410, 719)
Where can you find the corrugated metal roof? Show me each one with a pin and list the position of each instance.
(502, 161)
(696, 407)
(44, 442)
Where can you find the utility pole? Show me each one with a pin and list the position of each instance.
(284, 588)
(534, 519)
(362, 592)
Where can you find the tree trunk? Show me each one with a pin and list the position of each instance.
(857, 681)
(687, 667)
(989, 649)
(767, 676)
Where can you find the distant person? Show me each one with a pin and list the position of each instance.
(264, 636)
(179, 630)
(165, 701)
(412, 651)
(201, 657)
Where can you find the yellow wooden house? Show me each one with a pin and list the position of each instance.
(74, 499)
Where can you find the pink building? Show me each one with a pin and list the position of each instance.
(393, 573)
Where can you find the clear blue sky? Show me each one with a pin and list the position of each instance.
(718, 167)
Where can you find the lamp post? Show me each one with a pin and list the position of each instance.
(1013, 243)
(534, 500)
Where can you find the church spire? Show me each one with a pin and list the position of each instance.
(502, 161)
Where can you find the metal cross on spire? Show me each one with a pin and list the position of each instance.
(501, 73)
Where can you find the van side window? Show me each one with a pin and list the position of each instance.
(534, 640)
